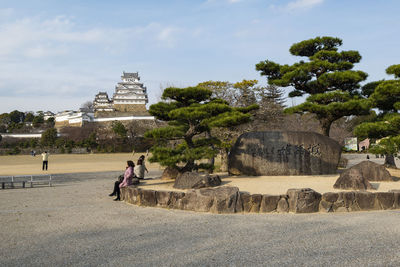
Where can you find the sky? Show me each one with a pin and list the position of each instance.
(56, 55)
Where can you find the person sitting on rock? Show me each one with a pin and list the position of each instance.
(124, 180)
(140, 168)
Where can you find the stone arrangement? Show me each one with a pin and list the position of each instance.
(284, 153)
(358, 176)
(194, 180)
(227, 199)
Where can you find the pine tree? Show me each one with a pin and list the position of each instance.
(385, 97)
(327, 77)
(191, 113)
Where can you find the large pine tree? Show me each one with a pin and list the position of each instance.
(191, 113)
(385, 96)
(327, 78)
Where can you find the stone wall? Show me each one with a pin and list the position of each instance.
(60, 124)
(130, 107)
(227, 199)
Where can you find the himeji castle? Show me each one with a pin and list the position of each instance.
(130, 96)
(127, 103)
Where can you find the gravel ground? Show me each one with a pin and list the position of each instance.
(75, 223)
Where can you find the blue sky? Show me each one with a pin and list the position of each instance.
(56, 55)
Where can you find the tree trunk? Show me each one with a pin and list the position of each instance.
(188, 167)
(325, 127)
(211, 161)
(224, 160)
(389, 161)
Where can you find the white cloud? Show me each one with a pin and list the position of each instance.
(302, 4)
(55, 57)
(168, 35)
(297, 5)
(36, 38)
(222, 1)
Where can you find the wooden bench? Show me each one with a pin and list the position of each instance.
(23, 179)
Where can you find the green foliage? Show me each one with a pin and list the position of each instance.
(49, 137)
(119, 129)
(38, 121)
(394, 69)
(191, 113)
(17, 116)
(385, 97)
(369, 88)
(327, 77)
(387, 146)
(29, 117)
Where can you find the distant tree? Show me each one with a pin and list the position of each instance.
(191, 113)
(29, 117)
(87, 106)
(38, 120)
(327, 77)
(221, 89)
(245, 92)
(119, 129)
(17, 116)
(50, 122)
(49, 137)
(386, 127)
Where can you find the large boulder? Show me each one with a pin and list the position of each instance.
(284, 153)
(170, 173)
(223, 199)
(304, 200)
(373, 171)
(193, 180)
(352, 179)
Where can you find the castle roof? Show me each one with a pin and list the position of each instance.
(131, 75)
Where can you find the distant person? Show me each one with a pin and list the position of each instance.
(45, 157)
(126, 180)
(140, 168)
(367, 156)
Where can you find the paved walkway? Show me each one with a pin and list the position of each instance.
(75, 223)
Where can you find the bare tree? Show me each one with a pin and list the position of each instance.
(87, 106)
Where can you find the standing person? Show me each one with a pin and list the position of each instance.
(45, 157)
(140, 168)
(128, 175)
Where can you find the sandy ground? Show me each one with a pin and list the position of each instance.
(274, 185)
(67, 163)
(75, 223)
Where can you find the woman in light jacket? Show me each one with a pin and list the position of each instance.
(140, 168)
(128, 175)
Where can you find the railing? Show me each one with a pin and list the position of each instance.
(23, 179)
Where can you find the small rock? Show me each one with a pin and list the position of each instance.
(170, 173)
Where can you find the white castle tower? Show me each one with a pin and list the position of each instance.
(102, 102)
(130, 96)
